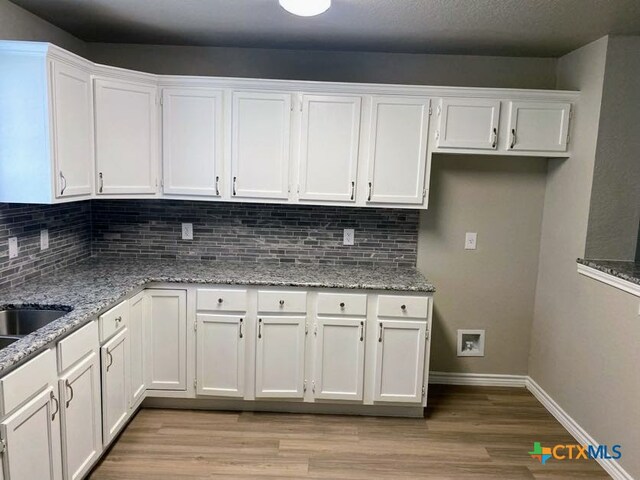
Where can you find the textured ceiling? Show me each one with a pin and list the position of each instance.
(485, 27)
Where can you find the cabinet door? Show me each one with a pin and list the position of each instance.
(280, 357)
(192, 132)
(329, 142)
(220, 355)
(166, 340)
(398, 150)
(137, 316)
(260, 145)
(81, 417)
(32, 437)
(538, 126)
(72, 132)
(115, 385)
(126, 133)
(468, 123)
(339, 359)
(400, 361)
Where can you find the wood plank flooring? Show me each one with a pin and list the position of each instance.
(469, 433)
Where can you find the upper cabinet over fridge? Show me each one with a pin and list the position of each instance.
(74, 130)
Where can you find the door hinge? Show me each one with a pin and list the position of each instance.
(315, 329)
(426, 335)
(306, 328)
(424, 390)
(313, 386)
(161, 101)
(195, 383)
(3, 445)
(424, 193)
(430, 110)
(304, 386)
(195, 326)
(437, 135)
(439, 110)
(162, 182)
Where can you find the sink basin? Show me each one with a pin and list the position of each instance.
(6, 341)
(23, 321)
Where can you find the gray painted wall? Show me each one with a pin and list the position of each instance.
(584, 350)
(614, 213)
(449, 70)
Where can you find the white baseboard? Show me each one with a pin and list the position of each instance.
(612, 467)
(478, 379)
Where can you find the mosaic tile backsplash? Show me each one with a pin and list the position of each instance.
(222, 231)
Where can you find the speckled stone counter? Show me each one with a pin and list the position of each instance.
(96, 284)
(629, 271)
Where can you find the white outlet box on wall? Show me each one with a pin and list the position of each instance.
(187, 231)
(471, 343)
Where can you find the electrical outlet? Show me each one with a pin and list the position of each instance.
(470, 241)
(187, 231)
(13, 247)
(44, 239)
(349, 236)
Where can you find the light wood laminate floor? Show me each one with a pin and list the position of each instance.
(469, 433)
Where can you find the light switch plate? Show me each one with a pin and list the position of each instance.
(470, 240)
(187, 231)
(13, 247)
(44, 239)
(349, 236)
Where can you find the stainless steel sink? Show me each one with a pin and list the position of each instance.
(23, 321)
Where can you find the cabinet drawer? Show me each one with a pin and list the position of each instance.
(342, 304)
(77, 345)
(282, 302)
(403, 306)
(113, 320)
(18, 386)
(223, 300)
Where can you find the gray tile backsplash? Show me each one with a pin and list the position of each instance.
(254, 232)
(69, 228)
(222, 231)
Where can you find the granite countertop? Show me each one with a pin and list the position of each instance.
(96, 284)
(629, 271)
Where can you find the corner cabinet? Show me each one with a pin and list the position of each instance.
(126, 139)
(538, 126)
(398, 150)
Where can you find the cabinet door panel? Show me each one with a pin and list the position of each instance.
(115, 385)
(32, 436)
(280, 357)
(400, 353)
(398, 150)
(339, 359)
(137, 315)
(72, 129)
(81, 417)
(126, 132)
(539, 126)
(220, 355)
(260, 145)
(166, 340)
(192, 141)
(329, 147)
(468, 123)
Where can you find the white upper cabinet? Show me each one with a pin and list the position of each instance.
(398, 150)
(329, 140)
(468, 123)
(192, 141)
(72, 129)
(126, 137)
(260, 145)
(538, 126)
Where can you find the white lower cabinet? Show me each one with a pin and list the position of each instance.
(166, 340)
(32, 439)
(339, 359)
(220, 355)
(115, 385)
(81, 417)
(137, 315)
(280, 355)
(399, 369)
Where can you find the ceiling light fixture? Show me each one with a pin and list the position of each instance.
(305, 8)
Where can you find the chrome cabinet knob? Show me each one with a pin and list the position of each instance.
(219, 301)
(282, 303)
(342, 305)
